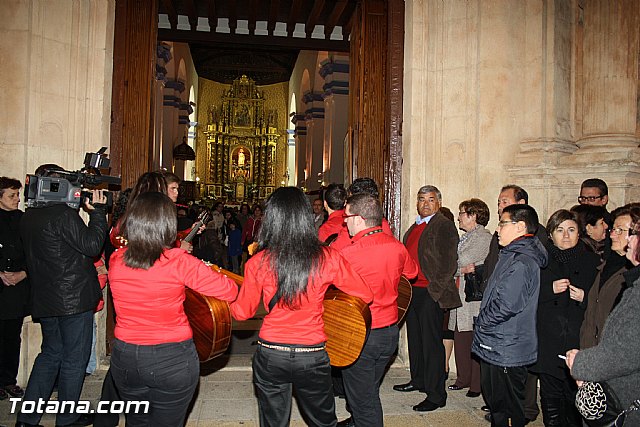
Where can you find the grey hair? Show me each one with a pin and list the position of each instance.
(430, 189)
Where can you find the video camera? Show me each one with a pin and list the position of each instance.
(56, 186)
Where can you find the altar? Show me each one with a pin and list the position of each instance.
(242, 139)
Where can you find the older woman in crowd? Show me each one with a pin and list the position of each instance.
(615, 359)
(609, 284)
(14, 287)
(473, 248)
(564, 285)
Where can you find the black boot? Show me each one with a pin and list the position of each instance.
(553, 413)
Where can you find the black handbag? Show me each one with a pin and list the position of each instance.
(473, 284)
(600, 407)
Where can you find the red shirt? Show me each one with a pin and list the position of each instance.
(344, 239)
(412, 247)
(332, 225)
(381, 259)
(149, 302)
(303, 325)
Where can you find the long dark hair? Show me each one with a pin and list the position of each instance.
(149, 225)
(148, 182)
(291, 241)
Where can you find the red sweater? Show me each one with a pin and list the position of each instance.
(148, 303)
(344, 239)
(303, 325)
(381, 259)
(412, 247)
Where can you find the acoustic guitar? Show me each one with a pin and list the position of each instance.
(210, 320)
(347, 320)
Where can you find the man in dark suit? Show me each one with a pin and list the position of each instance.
(433, 243)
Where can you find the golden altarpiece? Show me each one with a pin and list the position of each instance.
(242, 139)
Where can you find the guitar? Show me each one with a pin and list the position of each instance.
(210, 320)
(347, 320)
(203, 218)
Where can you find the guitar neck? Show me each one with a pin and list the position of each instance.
(231, 275)
(193, 232)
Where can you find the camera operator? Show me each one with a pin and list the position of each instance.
(14, 287)
(59, 250)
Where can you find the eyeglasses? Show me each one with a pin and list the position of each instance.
(345, 216)
(582, 199)
(503, 223)
(619, 230)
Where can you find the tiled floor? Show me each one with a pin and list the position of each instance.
(225, 398)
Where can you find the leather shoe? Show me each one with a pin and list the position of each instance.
(455, 387)
(346, 423)
(405, 387)
(21, 424)
(488, 417)
(84, 420)
(427, 406)
(485, 408)
(473, 394)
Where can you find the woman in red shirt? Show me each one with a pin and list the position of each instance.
(154, 358)
(291, 273)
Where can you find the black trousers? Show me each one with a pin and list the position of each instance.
(503, 389)
(165, 375)
(278, 374)
(557, 398)
(10, 331)
(426, 352)
(362, 379)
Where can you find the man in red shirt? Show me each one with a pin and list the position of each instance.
(360, 186)
(334, 199)
(433, 243)
(380, 260)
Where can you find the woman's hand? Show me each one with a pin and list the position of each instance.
(576, 294)
(571, 356)
(12, 278)
(471, 268)
(559, 286)
(187, 246)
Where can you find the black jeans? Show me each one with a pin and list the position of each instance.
(9, 350)
(166, 375)
(503, 390)
(362, 379)
(277, 373)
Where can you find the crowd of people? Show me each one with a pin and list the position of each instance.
(530, 304)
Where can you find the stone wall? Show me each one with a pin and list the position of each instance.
(56, 86)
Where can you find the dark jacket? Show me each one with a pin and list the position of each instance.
(505, 329)
(560, 317)
(13, 299)
(494, 249)
(615, 359)
(438, 256)
(60, 250)
(601, 300)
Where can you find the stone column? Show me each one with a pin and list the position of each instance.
(608, 104)
(314, 115)
(335, 72)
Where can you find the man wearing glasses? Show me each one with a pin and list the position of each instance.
(595, 192)
(381, 260)
(505, 330)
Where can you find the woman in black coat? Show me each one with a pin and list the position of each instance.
(14, 287)
(564, 286)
